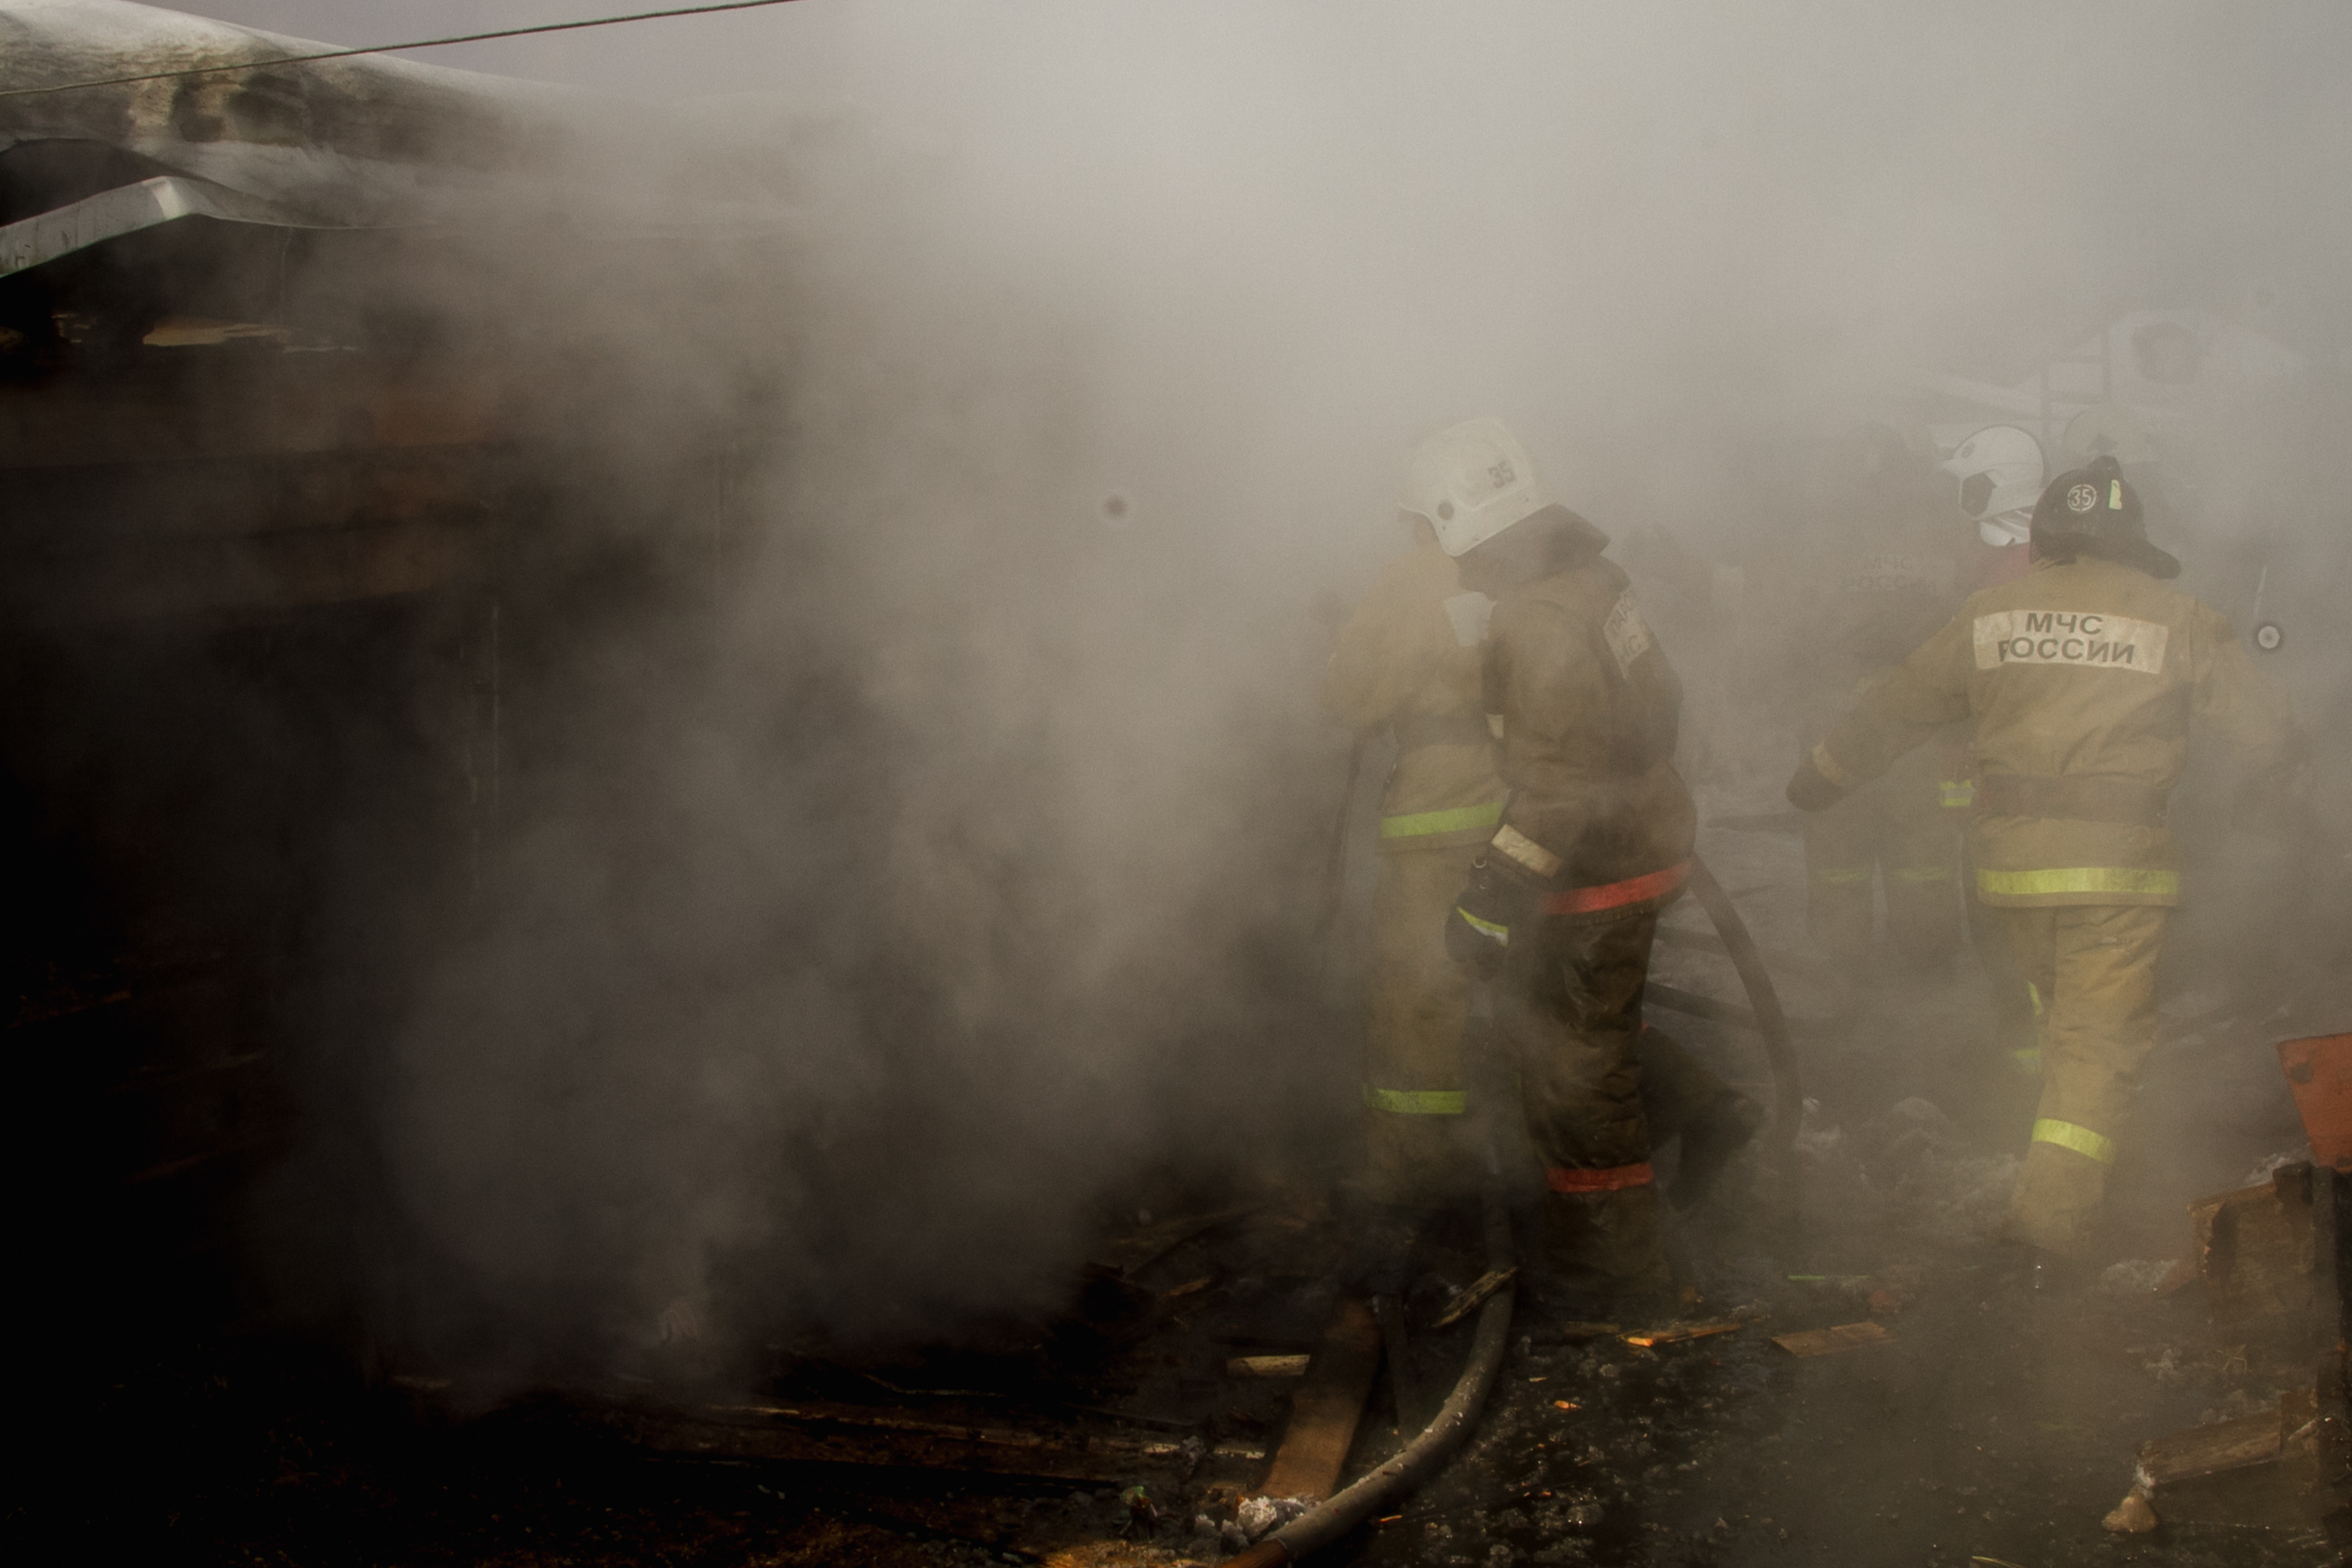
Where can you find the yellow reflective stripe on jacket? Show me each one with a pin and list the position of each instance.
(1486, 928)
(1417, 1101)
(1958, 794)
(1843, 876)
(2033, 995)
(1914, 876)
(2081, 1140)
(2028, 1062)
(1461, 819)
(2129, 879)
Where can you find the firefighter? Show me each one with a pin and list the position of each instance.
(1595, 838)
(1902, 830)
(2000, 471)
(1407, 661)
(1998, 475)
(2084, 678)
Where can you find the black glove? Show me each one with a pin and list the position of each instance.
(1810, 790)
(1478, 931)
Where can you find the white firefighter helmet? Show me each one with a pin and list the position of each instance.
(2001, 471)
(1472, 482)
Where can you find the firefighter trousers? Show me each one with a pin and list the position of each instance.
(1421, 1145)
(1420, 1149)
(2093, 966)
(1574, 1016)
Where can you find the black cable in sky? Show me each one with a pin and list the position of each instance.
(388, 49)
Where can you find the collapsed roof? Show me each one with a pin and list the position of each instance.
(366, 141)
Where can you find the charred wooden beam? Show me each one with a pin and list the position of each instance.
(1328, 1407)
(854, 1435)
(2262, 1469)
(260, 572)
(2255, 1249)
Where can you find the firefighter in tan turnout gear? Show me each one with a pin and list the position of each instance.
(1562, 902)
(1893, 581)
(1409, 661)
(2084, 679)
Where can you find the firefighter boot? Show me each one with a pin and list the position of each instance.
(1708, 1146)
(1682, 1100)
(1603, 1256)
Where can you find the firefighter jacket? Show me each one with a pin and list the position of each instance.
(1407, 661)
(2084, 679)
(1589, 708)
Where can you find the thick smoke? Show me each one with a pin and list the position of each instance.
(959, 860)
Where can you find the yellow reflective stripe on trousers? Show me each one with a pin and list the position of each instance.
(1417, 1101)
(1958, 795)
(1423, 823)
(2081, 1140)
(2130, 880)
(1918, 875)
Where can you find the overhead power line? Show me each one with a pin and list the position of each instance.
(389, 48)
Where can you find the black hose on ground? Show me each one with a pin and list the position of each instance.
(1328, 1521)
(1779, 1049)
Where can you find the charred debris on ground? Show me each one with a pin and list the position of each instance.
(326, 522)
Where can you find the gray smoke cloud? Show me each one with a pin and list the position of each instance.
(964, 862)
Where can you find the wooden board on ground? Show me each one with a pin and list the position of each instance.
(859, 1434)
(1828, 1341)
(1675, 1334)
(1267, 1365)
(1474, 1297)
(1327, 1407)
(2260, 1469)
(2254, 1248)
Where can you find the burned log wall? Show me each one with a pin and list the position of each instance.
(687, 796)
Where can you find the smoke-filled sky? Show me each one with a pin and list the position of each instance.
(1345, 224)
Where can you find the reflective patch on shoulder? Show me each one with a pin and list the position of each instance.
(1510, 841)
(1628, 634)
(2090, 639)
(1469, 613)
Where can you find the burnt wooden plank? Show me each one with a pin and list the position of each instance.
(2209, 1450)
(165, 410)
(1827, 1342)
(1679, 1334)
(261, 572)
(2260, 1469)
(825, 1434)
(1327, 1405)
(2254, 1248)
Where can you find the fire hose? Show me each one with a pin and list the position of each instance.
(1358, 1502)
(1779, 1049)
(1353, 1504)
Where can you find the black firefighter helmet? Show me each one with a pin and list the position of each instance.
(2090, 510)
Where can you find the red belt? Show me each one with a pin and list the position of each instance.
(1614, 895)
(1615, 1179)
